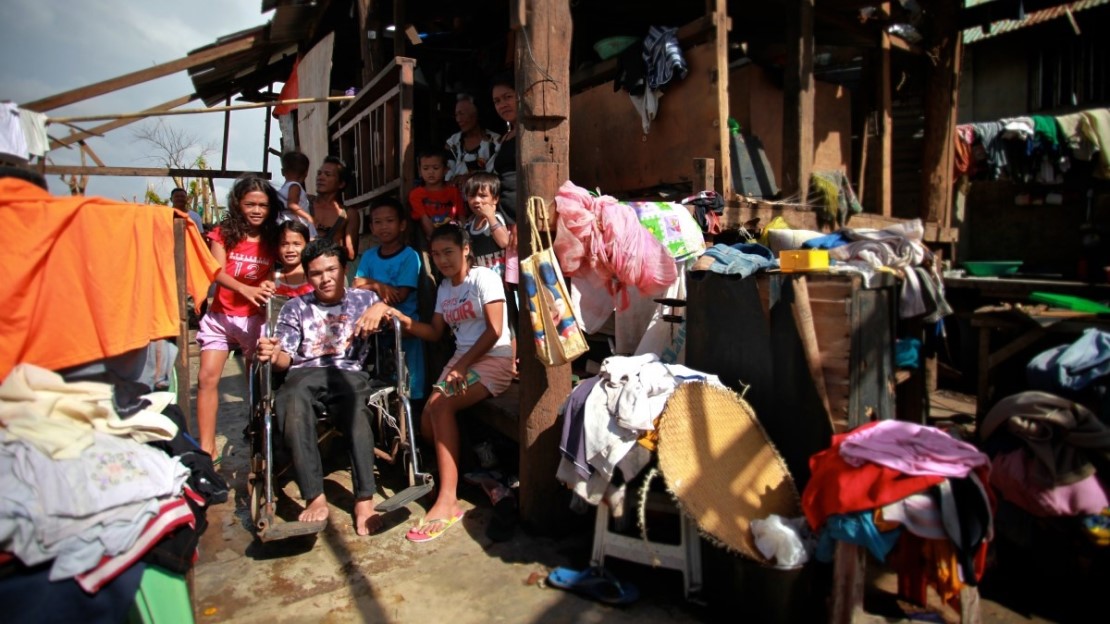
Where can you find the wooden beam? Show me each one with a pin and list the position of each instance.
(198, 111)
(119, 123)
(722, 24)
(886, 124)
(543, 153)
(181, 366)
(148, 171)
(942, 90)
(141, 76)
(799, 90)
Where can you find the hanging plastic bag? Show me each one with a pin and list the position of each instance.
(558, 335)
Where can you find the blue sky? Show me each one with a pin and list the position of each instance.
(51, 46)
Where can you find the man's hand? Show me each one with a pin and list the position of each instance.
(268, 349)
(371, 319)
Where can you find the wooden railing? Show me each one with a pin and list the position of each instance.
(373, 134)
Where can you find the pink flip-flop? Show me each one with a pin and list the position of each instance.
(416, 536)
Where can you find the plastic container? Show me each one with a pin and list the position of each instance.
(992, 268)
(611, 46)
(795, 260)
(1069, 302)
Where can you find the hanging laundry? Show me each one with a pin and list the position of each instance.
(1095, 126)
(839, 200)
(34, 132)
(13, 143)
(663, 57)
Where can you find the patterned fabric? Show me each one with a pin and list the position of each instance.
(673, 226)
(316, 334)
(463, 161)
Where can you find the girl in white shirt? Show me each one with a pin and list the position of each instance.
(471, 300)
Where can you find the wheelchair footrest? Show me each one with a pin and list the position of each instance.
(404, 497)
(286, 530)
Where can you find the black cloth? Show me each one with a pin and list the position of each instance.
(175, 551)
(30, 597)
(504, 165)
(663, 56)
(344, 395)
(573, 442)
(631, 71)
(203, 477)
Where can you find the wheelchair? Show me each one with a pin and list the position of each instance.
(395, 438)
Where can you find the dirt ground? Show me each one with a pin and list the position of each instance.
(340, 577)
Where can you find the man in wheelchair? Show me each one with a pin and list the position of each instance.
(321, 340)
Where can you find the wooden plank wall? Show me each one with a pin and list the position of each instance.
(608, 148)
(757, 103)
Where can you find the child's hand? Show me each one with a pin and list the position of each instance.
(388, 293)
(267, 349)
(258, 295)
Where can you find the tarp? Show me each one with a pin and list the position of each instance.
(86, 278)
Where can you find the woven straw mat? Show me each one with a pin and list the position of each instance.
(721, 467)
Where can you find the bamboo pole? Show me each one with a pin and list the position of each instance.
(195, 111)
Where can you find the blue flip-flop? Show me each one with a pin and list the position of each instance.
(596, 583)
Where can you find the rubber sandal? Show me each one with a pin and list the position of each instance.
(595, 583)
(417, 537)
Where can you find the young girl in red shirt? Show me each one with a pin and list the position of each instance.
(245, 244)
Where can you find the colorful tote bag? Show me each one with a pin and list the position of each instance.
(559, 336)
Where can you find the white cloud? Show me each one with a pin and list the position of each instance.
(51, 46)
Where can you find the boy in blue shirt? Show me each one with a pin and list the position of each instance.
(392, 270)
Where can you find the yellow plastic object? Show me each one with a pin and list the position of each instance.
(778, 223)
(794, 260)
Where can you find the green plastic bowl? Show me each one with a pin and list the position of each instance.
(992, 268)
(611, 46)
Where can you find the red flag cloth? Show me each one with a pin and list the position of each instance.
(289, 91)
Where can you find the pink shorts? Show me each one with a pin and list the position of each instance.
(496, 373)
(220, 332)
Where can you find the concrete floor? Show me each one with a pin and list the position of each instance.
(340, 577)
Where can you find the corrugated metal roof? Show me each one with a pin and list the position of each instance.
(268, 59)
(976, 34)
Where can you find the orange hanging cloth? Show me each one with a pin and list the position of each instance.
(87, 277)
(289, 91)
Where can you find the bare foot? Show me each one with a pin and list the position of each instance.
(436, 516)
(367, 520)
(316, 511)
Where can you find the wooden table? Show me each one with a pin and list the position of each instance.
(1019, 288)
(1028, 325)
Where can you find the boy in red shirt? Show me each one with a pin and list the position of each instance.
(436, 202)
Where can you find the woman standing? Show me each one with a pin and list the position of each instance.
(333, 220)
(504, 161)
(472, 147)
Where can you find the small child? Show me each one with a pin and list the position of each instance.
(492, 238)
(294, 168)
(291, 280)
(244, 244)
(392, 270)
(436, 202)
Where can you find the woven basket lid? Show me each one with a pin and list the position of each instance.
(721, 467)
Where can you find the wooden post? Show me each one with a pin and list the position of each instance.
(364, 42)
(227, 132)
(703, 174)
(266, 136)
(849, 576)
(543, 85)
(399, 27)
(941, 100)
(722, 24)
(798, 95)
(885, 128)
(181, 367)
